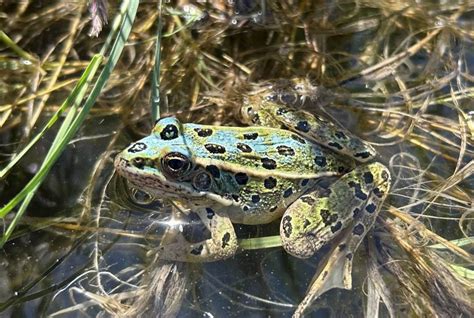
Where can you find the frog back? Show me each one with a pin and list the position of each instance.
(259, 170)
(260, 152)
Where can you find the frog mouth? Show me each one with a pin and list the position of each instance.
(150, 179)
(154, 182)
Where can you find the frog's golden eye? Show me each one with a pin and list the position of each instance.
(175, 164)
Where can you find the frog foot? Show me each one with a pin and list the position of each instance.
(222, 244)
(339, 218)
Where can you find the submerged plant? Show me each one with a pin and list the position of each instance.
(397, 74)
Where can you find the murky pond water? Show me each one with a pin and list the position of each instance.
(398, 75)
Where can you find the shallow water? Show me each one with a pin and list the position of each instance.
(83, 238)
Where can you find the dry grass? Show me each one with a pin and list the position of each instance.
(398, 73)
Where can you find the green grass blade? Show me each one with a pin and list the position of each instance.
(75, 97)
(77, 90)
(15, 48)
(260, 242)
(72, 122)
(155, 77)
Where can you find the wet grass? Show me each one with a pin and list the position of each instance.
(399, 74)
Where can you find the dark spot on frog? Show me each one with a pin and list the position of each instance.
(235, 197)
(358, 229)
(384, 175)
(225, 239)
(325, 216)
(304, 182)
(340, 135)
(358, 191)
(210, 213)
(255, 198)
(356, 213)
(241, 178)
(243, 147)
(203, 132)
(197, 250)
(287, 192)
(336, 227)
(349, 256)
(368, 177)
(137, 147)
(138, 163)
(285, 150)
(281, 111)
(342, 247)
(320, 161)
(303, 126)
(306, 223)
(270, 183)
(268, 163)
(169, 132)
(245, 208)
(334, 144)
(308, 200)
(378, 193)
(371, 208)
(363, 155)
(298, 138)
(360, 194)
(273, 208)
(214, 171)
(250, 136)
(214, 148)
(287, 227)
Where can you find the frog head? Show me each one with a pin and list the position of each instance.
(162, 163)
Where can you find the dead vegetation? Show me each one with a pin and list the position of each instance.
(397, 73)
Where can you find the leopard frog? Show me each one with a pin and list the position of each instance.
(254, 175)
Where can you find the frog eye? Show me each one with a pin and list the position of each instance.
(202, 181)
(175, 164)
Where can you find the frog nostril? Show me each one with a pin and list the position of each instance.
(138, 162)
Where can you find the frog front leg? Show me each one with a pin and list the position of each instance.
(341, 216)
(222, 244)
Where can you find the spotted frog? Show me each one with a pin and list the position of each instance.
(269, 170)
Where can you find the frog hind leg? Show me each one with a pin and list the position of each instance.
(312, 126)
(339, 218)
(222, 244)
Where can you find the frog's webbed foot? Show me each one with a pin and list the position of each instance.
(340, 217)
(222, 244)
